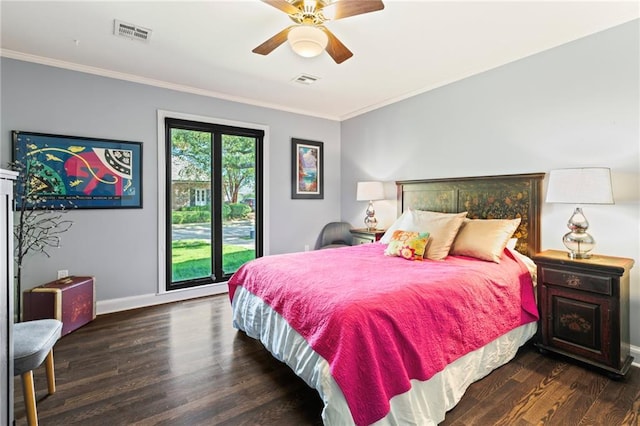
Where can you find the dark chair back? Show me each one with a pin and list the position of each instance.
(334, 234)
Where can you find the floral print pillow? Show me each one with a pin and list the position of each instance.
(408, 244)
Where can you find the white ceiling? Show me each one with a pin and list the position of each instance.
(205, 46)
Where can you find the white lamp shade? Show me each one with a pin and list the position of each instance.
(369, 191)
(590, 185)
(307, 41)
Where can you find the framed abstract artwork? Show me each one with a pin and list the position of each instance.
(307, 171)
(87, 173)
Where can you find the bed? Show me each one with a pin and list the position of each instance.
(393, 333)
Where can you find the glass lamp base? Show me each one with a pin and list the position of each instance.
(370, 220)
(577, 240)
(572, 255)
(579, 244)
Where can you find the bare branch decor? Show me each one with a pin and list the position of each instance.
(37, 225)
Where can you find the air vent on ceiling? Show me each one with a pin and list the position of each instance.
(134, 32)
(306, 79)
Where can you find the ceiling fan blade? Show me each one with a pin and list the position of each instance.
(335, 48)
(345, 8)
(283, 5)
(275, 41)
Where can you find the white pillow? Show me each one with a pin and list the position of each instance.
(404, 222)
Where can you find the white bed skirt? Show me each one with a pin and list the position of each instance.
(424, 404)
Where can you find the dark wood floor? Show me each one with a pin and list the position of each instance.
(184, 364)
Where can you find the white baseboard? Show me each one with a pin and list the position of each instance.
(126, 303)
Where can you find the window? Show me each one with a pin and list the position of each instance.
(213, 201)
(202, 196)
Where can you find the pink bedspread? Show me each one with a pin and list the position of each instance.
(381, 321)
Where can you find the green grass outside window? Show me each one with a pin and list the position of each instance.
(191, 258)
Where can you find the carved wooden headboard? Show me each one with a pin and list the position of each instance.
(483, 197)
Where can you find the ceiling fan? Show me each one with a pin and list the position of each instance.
(308, 36)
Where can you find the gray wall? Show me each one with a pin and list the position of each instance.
(120, 247)
(572, 106)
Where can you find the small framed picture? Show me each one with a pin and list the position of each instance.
(87, 173)
(307, 171)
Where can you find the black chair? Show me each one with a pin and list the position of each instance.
(334, 234)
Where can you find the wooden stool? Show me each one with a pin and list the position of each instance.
(33, 343)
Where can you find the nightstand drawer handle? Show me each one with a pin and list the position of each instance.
(573, 281)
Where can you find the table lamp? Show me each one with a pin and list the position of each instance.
(589, 185)
(370, 191)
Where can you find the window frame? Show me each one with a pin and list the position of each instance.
(208, 286)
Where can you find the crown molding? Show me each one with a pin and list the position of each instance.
(26, 57)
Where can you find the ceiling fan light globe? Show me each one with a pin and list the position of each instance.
(307, 41)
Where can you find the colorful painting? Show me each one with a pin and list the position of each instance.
(83, 172)
(306, 169)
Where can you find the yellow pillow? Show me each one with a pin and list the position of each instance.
(407, 244)
(484, 238)
(442, 229)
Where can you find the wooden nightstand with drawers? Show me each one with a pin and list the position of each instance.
(584, 309)
(365, 236)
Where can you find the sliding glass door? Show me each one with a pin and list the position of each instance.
(214, 201)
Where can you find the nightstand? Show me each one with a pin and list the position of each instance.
(584, 309)
(365, 236)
